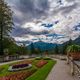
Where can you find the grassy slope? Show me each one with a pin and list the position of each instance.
(42, 73)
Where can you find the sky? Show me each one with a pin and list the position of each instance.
(52, 21)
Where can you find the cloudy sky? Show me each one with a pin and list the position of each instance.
(53, 21)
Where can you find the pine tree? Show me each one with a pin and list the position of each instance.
(5, 23)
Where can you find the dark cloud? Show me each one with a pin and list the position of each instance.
(66, 9)
(55, 35)
(70, 0)
(31, 9)
(19, 32)
(27, 10)
(31, 5)
(77, 27)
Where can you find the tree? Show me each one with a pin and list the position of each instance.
(64, 48)
(32, 48)
(23, 49)
(70, 42)
(5, 23)
(10, 45)
(56, 49)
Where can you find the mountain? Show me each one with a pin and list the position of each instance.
(23, 42)
(42, 45)
(77, 40)
(50, 46)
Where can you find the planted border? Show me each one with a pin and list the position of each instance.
(41, 63)
(19, 75)
(43, 72)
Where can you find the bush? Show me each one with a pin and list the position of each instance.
(47, 58)
(38, 58)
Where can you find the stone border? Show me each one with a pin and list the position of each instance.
(10, 68)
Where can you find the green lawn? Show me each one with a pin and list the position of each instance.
(43, 72)
(40, 74)
(4, 69)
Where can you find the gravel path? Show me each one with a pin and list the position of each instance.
(61, 71)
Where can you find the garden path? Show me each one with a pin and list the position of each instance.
(61, 71)
(3, 63)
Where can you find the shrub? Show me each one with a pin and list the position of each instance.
(38, 58)
(47, 58)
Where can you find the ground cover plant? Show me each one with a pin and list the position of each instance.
(42, 72)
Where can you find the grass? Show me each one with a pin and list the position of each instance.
(42, 73)
(4, 69)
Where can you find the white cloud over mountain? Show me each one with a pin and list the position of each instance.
(29, 15)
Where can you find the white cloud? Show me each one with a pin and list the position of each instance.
(68, 14)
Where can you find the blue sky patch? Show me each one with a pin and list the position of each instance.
(47, 25)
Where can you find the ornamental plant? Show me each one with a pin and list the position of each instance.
(19, 75)
(41, 63)
(20, 66)
(73, 49)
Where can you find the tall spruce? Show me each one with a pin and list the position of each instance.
(6, 23)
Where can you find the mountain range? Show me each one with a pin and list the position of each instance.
(49, 46)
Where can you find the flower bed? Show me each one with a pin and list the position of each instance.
(19, 67)
(23, 62)
(41, 63)
(19, 75)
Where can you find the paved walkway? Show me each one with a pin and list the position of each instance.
(3, 63)
(61, 71)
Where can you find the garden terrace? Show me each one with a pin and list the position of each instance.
(44, 69)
